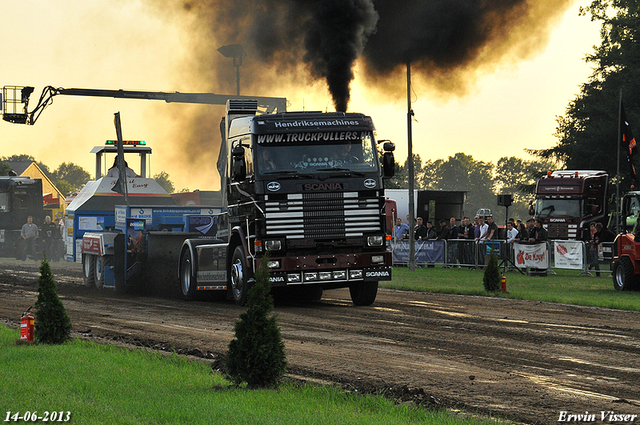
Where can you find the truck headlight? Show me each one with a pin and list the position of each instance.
(272, 245)
(309, 276)
(293, 278)
(377, 240)
(273, 264)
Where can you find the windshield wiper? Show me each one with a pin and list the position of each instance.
(551, 209)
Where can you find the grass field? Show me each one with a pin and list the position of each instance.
(564, 287)
(102, 384)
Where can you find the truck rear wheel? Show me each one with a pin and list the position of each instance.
(188, 282)
(624, 277)
(239, 275)
(363, 293)
(101, 263)
(89, 270)
(99, 272)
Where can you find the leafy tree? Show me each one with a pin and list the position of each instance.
(588, 131)
(518, 177)
(462, 172)
(163, 180)
(256, 355)
(65, 187)
(52, 325)
(72, 174)
(4, 168)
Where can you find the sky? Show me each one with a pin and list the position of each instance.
(132, 45)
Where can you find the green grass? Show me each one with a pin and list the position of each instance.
(564, 287)
(102, 384)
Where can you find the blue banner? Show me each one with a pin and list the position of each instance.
(426, 252)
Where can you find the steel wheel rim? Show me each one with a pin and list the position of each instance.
(237, 278)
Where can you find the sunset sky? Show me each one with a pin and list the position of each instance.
(131, 45)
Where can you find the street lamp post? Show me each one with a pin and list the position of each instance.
(236, 52)
(412, 249)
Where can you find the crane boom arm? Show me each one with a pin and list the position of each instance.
(15, 100)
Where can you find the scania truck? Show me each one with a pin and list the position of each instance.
(305, 187)
(567, 201)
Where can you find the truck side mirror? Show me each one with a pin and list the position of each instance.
(532, 210)
(239, 166)
(388, 161)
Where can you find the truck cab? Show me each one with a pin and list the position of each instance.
(567, 201)
(307, 188)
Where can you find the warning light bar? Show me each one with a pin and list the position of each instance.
(126, 142)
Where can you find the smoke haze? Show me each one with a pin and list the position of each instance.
(292, 44)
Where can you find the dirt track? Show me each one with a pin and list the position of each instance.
(527, 361)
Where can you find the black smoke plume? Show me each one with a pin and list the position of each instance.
(292, 44)
(446, 41)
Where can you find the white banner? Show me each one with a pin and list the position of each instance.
(532, 256)
(568, 255)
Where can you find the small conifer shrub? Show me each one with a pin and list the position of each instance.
(52, 325)
(256, 355)
(491, 278)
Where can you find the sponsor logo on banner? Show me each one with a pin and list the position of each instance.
(531, 256)
(568, 255)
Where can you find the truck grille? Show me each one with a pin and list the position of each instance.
(562, 231)
(322, 215)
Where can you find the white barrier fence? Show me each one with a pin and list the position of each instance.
(559, 254)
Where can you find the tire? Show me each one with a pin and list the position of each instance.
(99, 272)
(89, 270)
(188, 282)
(101, 264)
(624, 278)
(239, 275)
(363, 293)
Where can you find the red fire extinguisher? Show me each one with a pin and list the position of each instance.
(27, 326)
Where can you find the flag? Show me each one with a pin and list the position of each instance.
(121, 183)
(628, 143)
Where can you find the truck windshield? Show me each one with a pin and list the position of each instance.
(565, 208)
(358, 155)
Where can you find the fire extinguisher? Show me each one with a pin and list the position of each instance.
(27, 326)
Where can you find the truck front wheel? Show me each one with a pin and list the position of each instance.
(623, 274)
(89, 270)
(188, 282)
(240, 275)
(363, 293)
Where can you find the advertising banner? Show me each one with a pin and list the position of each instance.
(533, 256)
(568, 255)
(427, 252)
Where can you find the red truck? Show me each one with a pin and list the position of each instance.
(567, 201)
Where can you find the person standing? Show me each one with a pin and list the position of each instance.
(467, 232)
(523, 235)
(400, 230)
(49, 233)
(512, 232)
(539, 233)
(29, 233)
(420, 230)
